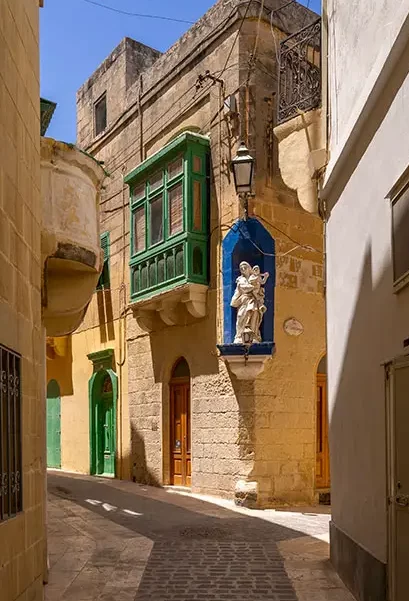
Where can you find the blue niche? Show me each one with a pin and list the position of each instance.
(238, 246)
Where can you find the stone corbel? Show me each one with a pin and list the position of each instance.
(246, 362)
(145, 320)
(168, 313)
(195, 300)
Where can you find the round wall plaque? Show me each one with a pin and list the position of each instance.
(293, 327)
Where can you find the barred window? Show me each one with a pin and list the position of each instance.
(10, 435)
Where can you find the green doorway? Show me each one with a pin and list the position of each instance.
(103, 392)
(53, 425)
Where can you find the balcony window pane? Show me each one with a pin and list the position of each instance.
(138, 192)
(197, 164)
(139, 229)
(197, 205)
(175, 199)
(175, 168)
(400, 224)
(156, 225)
(155, 181)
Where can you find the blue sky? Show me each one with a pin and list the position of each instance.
(77, 36)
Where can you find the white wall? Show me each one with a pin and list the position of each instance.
(361, 36)
(367, 323)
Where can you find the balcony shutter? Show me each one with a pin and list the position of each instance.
(103, 281)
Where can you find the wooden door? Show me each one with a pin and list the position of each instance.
(103, 427)
(53, 425)
(322, 474)
(180, 438)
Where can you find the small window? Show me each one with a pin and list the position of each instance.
(11, 499)
(100, 115)
(104, 279)
(197, 205)
(156, 225)
(139, 230)
(175, 200)
(400, 229)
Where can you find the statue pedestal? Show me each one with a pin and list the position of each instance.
(246, 362)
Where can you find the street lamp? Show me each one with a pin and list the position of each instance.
(243, 168)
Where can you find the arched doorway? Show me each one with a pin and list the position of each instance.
(322, 473)
(53, 424)
(103, 394)
(180, 437)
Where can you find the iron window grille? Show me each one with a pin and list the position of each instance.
(299, 85)
(11, 500)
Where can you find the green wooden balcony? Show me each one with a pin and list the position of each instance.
(169, 202)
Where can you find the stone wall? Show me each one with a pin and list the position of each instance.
(262, 431)
(22, 538)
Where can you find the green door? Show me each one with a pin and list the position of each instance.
(103, 427)
(53, 425)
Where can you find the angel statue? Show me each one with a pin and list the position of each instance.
(248, 299)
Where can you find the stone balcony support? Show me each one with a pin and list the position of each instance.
(70, 242)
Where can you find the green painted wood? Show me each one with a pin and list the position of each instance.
(104, 278)
(175, 259)
(53, 425)
(103, 422)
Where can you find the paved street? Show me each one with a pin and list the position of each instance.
(119, 541)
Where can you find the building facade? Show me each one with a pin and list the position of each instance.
(365, 202)
(45, 252)
(153, 381)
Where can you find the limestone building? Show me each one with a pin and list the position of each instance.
(50, 261)
(152, 386)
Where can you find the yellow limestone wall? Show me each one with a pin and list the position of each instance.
(22, 539)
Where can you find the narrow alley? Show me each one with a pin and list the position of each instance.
(112, 540)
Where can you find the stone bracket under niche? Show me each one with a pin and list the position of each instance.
(171, 308)
(246, 362)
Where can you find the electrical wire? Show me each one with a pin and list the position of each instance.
(139, 15)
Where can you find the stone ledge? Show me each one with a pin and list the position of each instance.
(246, 362)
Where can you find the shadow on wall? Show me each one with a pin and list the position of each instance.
(140, 472)
(105, 315)
(59, 366)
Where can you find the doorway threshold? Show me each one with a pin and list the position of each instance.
(177, 488)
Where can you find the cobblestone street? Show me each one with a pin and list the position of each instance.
(111, 540)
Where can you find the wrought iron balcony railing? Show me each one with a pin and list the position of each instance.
(299, 86)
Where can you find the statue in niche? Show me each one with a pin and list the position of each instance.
(248, 299)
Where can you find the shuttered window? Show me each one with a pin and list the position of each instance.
(175, 208)
(139, 229)
(104, 280)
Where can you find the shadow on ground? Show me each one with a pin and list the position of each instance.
(201, 551)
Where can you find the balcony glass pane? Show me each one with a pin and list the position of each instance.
(175, 168)
(175, 199)
(155, 181)
(138, 191)
(139, 230)
(156, 225)
(197, 205)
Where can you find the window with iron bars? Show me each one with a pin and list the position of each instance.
(11, 499)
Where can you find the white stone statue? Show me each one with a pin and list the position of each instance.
(248, 299)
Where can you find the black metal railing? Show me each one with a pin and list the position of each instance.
(299, 86)
(10, 434)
